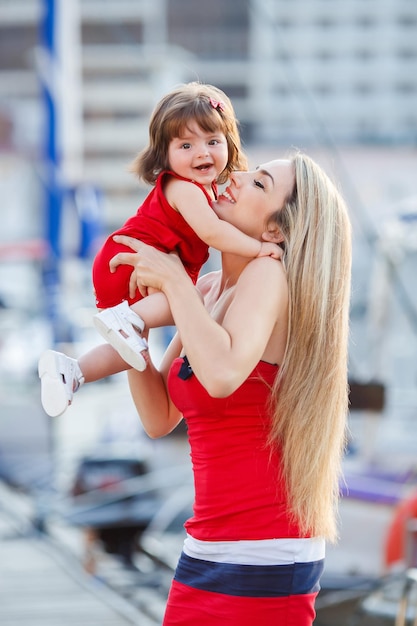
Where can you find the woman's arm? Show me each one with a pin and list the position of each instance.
(223, 349)
(158, 414)
(190, 202)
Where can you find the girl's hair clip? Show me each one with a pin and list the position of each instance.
(217, 104)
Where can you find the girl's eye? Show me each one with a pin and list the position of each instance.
(259, 184)
(186, 146)
(213, 142)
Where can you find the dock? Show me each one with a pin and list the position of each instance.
(42, 585)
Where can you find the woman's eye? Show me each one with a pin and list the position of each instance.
(259, 184)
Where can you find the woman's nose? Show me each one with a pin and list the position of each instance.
(236, 178)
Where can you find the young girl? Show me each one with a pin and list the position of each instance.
(193, 145)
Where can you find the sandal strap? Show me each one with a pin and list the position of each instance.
(133, 318)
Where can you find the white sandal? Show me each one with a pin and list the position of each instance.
(60, 376)
(121, 327)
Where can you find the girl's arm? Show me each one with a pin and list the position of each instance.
(221, 352)
(158, 414)
(191, 203)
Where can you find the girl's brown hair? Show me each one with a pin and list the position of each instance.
(205, 104)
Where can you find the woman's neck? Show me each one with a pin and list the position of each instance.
(232, 267)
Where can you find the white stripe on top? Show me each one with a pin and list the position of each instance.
(262, 552)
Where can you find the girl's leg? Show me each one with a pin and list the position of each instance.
(154, 310)
(100, 362)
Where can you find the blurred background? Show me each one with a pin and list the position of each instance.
(78, 82)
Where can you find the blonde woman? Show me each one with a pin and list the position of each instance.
(259, 372)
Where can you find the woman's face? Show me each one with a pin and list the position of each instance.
(252, 197)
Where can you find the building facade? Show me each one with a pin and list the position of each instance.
(303, 72)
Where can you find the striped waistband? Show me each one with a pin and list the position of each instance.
(257, 581)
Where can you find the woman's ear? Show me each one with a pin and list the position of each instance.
(273, 234)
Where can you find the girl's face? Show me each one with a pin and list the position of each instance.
(252, 197)
(198, 155)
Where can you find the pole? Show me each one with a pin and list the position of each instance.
(60, 83)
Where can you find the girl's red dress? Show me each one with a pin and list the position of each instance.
(159, 225)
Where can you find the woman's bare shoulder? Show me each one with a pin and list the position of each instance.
(265, 268)
(264, 281)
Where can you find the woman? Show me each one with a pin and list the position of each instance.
(263, 389)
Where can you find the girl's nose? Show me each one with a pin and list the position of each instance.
(204, 150)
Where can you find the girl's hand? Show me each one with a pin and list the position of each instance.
(151, 268)
(271, 249)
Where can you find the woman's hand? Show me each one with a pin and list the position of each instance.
(151, 268)
(128, 258)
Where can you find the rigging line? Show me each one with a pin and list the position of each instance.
(404, 298)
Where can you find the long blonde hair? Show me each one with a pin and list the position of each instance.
(310, 395)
